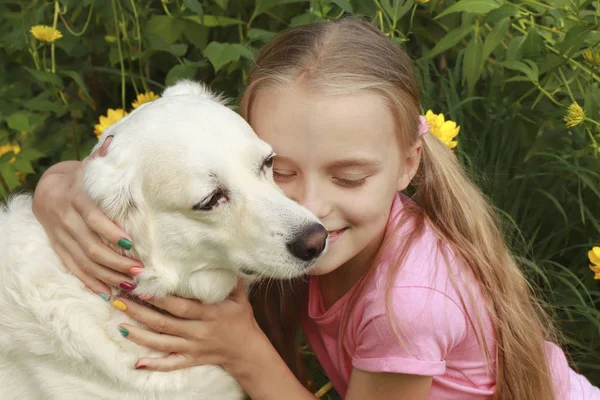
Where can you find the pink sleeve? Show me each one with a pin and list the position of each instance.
(428, 325)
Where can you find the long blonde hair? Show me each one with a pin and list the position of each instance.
(349, 56)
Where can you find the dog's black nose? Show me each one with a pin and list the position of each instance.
(309, 244)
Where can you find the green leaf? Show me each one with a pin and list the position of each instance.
(45, 77)
(23, 165)
(179, 72)
(533, 44)
(573, 39)
(222, 3)
(10, 176)
(450, 40)
(260, 34)
(527, 67)
(471, 6)
(77, 79)
(163, 30)
(398, 9)
(514, 48)
(30, 154)
(472, 63)
(498, 14)
(344, 5)
(266, 5)
(19, 121)
(196, 34)
(212, 21)
(495, 37)
(194, 6)
(177, 49)
(221, 54)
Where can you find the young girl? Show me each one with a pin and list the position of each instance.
(416, 298)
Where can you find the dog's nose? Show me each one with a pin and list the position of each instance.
(310, 243)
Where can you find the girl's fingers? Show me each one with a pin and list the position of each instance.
(89, 267)
(155, 320)
(182, 308)
(152, 340)
(92, 283)
(94, 248)
(170, 362)
(99, 223)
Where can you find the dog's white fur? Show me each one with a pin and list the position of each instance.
(59, 340)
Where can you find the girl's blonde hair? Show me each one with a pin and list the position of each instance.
(349, 56)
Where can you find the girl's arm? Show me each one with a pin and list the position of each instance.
(386, 385)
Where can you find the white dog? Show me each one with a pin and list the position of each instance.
(191, 182)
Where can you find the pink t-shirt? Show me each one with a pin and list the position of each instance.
(436, 337)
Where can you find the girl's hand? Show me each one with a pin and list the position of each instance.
(74, 224)
(194, 334)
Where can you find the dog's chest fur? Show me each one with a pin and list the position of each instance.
(58, 340)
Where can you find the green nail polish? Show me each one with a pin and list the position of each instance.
(104, 297)
(124, 331)
(124, 243)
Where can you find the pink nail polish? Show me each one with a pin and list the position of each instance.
(127, 286)
(144, 297)
(135, 271)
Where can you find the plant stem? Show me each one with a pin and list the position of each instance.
(118, 32)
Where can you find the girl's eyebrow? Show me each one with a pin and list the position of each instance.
(354, 162)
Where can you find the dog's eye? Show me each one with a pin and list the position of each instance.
(214, 200)
(268, 162)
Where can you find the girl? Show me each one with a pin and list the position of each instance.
(416, 297)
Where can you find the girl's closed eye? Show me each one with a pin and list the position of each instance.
(350, 183)
(282, 175)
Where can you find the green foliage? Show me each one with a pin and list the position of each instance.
(505, 70)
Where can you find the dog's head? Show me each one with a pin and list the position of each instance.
(192, 184)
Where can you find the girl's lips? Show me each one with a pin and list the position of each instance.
(333, 235)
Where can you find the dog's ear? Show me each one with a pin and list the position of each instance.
(109, 180)
(186, 88)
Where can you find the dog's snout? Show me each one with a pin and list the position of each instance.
(309, 244)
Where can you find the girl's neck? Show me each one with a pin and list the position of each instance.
(340, 281)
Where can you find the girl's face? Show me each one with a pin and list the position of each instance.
(337, 156)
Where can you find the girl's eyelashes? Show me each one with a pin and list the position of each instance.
(283, 175)
(350, 183)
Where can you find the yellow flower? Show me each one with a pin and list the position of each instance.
(594, 256)
(112, 116)
(144, 98)
(45, 33)
(592, 57)
(574, 115)
(7, 148)
(444, 130)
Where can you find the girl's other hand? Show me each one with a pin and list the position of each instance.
(223, 333)
(75, 224)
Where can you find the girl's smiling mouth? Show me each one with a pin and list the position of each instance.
(334, 235)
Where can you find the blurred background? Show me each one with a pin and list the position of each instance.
(520, 77)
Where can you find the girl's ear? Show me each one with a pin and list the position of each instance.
(410, 165)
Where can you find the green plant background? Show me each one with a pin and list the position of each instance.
(505, 70)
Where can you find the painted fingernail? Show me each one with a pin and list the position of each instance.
(124, 243)
(118, 304)
(127, 286)
(123, 331)
(144, 297)
(135, 271)
(104, 297)
(140, 366)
